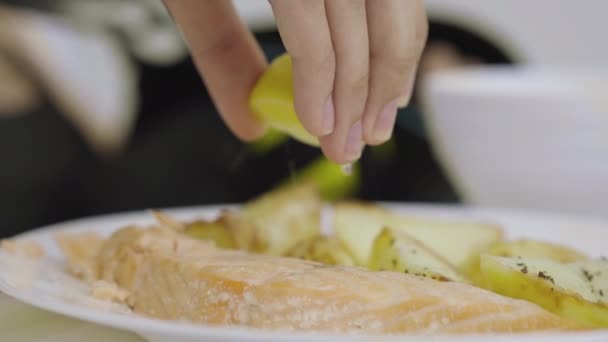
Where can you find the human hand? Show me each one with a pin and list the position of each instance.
(354, 63)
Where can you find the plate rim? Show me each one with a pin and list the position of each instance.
(146, 326)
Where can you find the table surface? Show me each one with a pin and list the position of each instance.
(24, 323)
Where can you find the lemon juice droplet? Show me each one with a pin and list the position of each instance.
(347, 169)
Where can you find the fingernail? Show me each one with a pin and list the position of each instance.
(328, 117)
(354, 142)
(383, 129)
(406, 95)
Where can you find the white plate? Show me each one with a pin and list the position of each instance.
(47, 286)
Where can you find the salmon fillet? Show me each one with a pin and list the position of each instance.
(171, 276)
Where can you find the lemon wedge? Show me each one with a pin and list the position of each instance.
(272, 101)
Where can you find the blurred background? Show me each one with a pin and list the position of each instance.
(101, 110)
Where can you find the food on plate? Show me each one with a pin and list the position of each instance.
(536, 249)
(108, 291)
(277, 221)
(577, 291)
(269, 264)
(169, 275)
(214, 230)
(81, 252)
(397, 251)
(460, 242)
(325, 249)
(165, 220)
(274, 223)
(22, 248)
(526, 248)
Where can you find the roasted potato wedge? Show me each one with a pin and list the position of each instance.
(397, 251)
(537, 250)
(529, 249)
(460, 242)
(325, 249)
(276, 221)
(216, 231)
(578, 291)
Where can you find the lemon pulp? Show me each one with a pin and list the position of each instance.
(272, 101)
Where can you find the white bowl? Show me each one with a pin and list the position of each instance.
(522, 137)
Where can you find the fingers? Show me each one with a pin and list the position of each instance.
(348, 30)
(354, 63)
(305, 33)
(397, 33)
(227, 57)
(328, 43)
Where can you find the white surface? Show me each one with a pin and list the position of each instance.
(539, 32)
(522, 137)
(47, 286)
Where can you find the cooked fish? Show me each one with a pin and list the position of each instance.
(170, 276)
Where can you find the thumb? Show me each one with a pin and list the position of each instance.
(227, 57)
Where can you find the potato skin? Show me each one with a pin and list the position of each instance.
(526, 248)
(328, 250)
(399, 252)
(357, 224)
(537, 249)
(278, 220)
(518, 284)
(216, 231)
